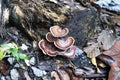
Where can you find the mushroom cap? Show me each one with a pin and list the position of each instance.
(57, 31)
(70, 53)
(64, 43)
(50, 37)
(47, 48)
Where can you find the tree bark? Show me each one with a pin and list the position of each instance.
(34, 18)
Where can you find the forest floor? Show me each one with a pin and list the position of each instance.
(86, 46)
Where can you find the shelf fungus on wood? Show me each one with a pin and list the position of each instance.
(46, 48)
(57, 31)
(64, 46)
(64, 43)
(50, 37)
(70, 53)
(60, 46)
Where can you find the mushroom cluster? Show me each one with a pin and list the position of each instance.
(57, 43)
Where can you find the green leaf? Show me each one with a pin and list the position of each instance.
(13, 49)
(23, 56)
(2, 55)
(9, 51)
(15, 45)
(16, 53)
(5, 46)
(17, 57)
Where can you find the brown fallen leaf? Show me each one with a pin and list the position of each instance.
(106, 39)
(71, 74)
(114, 51)
(4, 67)
(95, 63)
(92, 50)
(63, 75)
(114, 73)
(112, 58)
(55, 75)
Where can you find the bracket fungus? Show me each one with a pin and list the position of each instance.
(46, 48)
(64, 43)
(57, 31)
(50, 37)
(70, 53)
(55, 44)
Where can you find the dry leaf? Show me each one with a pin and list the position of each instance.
(95, 63)
(106, 39)
(112, 58)
(63, 75)
(4, 67)
(114, 51)
(18, 10)
(114, 73)
(55, 75)
(92, 50)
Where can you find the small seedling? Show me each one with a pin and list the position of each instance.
(13, 50)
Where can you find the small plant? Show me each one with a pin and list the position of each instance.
(11, 49)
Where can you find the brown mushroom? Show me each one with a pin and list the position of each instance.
(70, 53)
(50, 37)
(64, 43)
(47, 48)
(56, 31)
